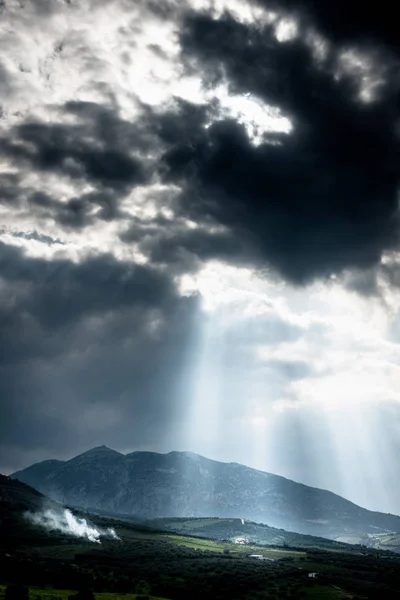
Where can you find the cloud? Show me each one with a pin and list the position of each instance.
(313, 202)
(96, 285)
(34, 235)
(98, 342)
(372, 23)
(97, 157)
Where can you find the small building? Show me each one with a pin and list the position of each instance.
(241, 540)
(261, 557)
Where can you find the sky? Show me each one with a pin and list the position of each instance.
(199, 235)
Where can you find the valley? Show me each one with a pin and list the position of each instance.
(157, 561)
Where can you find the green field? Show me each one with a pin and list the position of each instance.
(257, 533)
(234, 549)
(52, 594)
(326, 592)
(318, 592)
(190, 524)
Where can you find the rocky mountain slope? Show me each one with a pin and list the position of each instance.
(183, 484)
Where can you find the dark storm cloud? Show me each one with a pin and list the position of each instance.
(90, 149)
(38, 237)
(59, 292)
(9, 189)
(364, 282)
(74, 214)
(122, 389)
(318, 200)
(180, 248)
(47, 7)
(5, 83)
(345, 20)
(207, 245)
(3, 75)
(85, 339)
(98, 148)
(77, 212)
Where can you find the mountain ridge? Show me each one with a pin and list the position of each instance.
(184, 484)
(93, 451)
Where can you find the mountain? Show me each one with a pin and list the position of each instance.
(183, 484)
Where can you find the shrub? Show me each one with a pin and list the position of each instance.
(84, 594)
(16, 592)
(143, 588)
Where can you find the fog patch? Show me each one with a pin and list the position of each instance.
(66, 522)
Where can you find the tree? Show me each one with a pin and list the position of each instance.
(16, 592)
(143, 588)
(83, 594)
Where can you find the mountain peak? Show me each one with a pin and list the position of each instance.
(184, 453)
(103, 448)
(106, 449)
(98, 451)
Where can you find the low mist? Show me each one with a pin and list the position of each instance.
(66, 522)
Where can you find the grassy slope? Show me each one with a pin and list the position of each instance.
(52, 594)
(235, 549)
(326, 592)
(319, 592)
(129, 531)
(256, 533)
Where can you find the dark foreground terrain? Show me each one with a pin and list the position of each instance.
(152, 562)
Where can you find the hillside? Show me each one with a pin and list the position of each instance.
(17, 498)
(240, 530)
(145, 562)
(183, 484)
